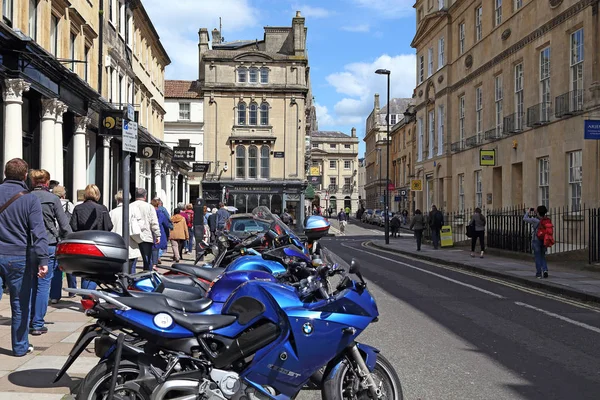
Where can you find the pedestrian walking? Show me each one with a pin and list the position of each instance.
(212, 224)
(222, 217)
(542, 237)
(188, 214)
(478, 228)
(178, 234)
(405, 217)
(57, 278)
(90, 216)
(150, 231)
(395, 225)
(343, 220)
(436, 221)
(417, 225)
(206, 213)
(22, 232)
(57, 227)
(163, 223)
(116, 217)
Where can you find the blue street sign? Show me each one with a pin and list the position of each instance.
(591, 129)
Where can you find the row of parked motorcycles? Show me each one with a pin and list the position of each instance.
(269, 315)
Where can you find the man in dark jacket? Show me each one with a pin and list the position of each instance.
(212, 224)
(57, 227)
(436, 221)
(21, 223)
(222, 217)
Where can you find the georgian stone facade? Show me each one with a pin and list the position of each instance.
(256, 106)
(518, 78)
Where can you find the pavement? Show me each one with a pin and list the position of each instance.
(449, 332)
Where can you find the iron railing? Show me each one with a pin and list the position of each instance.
(472, 141)
(512, 123)
(493, 134)
(332, 188)
(457, 146)
(539, 114)
(568, 103)
(594, 235)
(347, 189)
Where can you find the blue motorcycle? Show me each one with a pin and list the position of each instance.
(264, 341)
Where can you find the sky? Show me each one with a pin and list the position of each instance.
(347, 41)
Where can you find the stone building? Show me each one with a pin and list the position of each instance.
(376, 149)
(56, 59)
(515, 79)
(336, 156)
(256, 96)
(184, 120)
(402, 162)
(361, 182)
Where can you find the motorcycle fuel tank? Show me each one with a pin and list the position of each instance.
(256, 263)
(222, 287)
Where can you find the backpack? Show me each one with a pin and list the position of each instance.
(188, 219)
(545, 232)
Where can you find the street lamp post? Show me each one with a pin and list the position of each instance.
(387, 168)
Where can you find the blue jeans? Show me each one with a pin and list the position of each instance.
(18, 279)
(190, 241)
(132, 265)
(87, 284)
(57, 283)
(156, 254)
(539, 253)
(41, 289)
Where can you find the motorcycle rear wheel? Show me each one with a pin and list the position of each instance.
(96, 384)
(344, 385)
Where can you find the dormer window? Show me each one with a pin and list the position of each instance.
(242, 72)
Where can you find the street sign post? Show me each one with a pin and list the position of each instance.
(130, 136)
(130, 112)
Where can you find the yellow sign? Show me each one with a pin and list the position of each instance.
(416, 185)
(315, 171)
(487, 158)
(446, 236)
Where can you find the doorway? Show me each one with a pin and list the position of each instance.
(497, 188)
(517, 183)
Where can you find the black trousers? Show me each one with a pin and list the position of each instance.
(146, 250)
(419, 236)
(478, 235)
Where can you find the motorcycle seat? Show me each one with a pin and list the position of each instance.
(196, 323)
(178, 280)
(153, 303)
(209, 274)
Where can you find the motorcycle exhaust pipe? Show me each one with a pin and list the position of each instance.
(247, 344)
(163, 389)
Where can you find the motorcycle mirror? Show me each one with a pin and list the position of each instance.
(354, 267)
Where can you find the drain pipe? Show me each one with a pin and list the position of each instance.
(100, 44)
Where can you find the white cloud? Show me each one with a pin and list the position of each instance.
(312, 12)
(178, 23)
(323, 116)
(388, 8)
(358, 82)
(357, 28)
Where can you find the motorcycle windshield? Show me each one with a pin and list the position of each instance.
(277, 225)
(330, 258)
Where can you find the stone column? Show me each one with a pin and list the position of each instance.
(59, 160)
(157, 179)
(47, 132)
(106, 194)
(79, 156)
(174, 200)
(13, 123)
(168, 189)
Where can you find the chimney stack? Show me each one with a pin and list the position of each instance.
(353, 132)
(202, 48)
(299, 32)
(376, 103)
(216, 36)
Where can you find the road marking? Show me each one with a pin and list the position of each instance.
(496, 295)
(565, 319)
(499, 281)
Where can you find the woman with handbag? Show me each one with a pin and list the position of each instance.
(90, 216)
(116, 216)
(477, 231)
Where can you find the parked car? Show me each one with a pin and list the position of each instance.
(376, 218)
(382, 217)
(367, 215)
(242, 225)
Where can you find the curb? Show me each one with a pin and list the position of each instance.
(549, 287)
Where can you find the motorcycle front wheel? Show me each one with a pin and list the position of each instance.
(96, 384)
(345, 383)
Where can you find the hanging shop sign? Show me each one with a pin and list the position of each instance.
(111, 122)
(184, 154)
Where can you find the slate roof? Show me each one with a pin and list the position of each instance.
(329, 134)
(182, 89)
(233, 44)
(397, 106)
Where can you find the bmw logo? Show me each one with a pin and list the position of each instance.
(307, 328)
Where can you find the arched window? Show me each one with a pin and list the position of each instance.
(240, 162)
(242, 75)
(253, 114)
(252, 162)
(264, 75)
(265, 170)
(241, 111)
(253, 75)
(264, 113)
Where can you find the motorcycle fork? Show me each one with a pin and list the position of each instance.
(363, 372)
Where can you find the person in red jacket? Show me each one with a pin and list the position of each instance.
(188, 214)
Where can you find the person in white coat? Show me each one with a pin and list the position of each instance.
(116, 216)
(150, 230)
